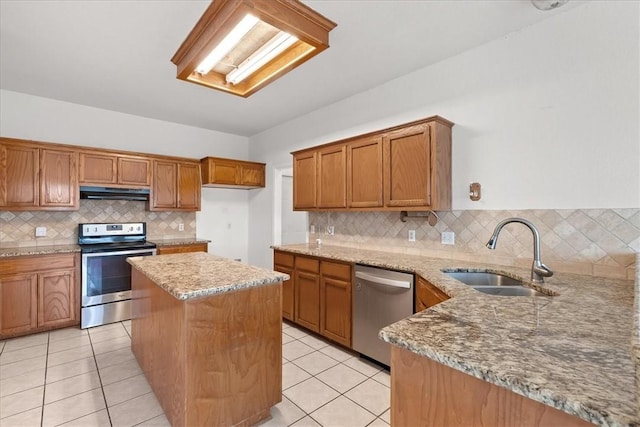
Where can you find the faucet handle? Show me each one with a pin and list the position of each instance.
(542, 270)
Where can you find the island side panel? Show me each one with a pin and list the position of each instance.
(427, 393)
(234, 348)
(157, 341)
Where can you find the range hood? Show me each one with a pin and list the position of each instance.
(110, 193)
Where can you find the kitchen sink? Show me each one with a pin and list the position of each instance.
(494, 283)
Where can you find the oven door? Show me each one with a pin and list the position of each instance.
(106, 276)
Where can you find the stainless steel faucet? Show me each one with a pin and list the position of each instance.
(538, 270)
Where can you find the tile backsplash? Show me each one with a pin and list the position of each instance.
(18, 228)
(600, 242)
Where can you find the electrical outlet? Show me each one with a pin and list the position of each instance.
(448, 238)
(330, 230)
(41, 231)
(180, 227)
(412, 235)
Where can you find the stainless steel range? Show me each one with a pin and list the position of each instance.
(106, 275)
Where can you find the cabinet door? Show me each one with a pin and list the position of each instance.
(189, 187)
(133, 171)
(307, 293)
(304, 180)
(427, 295)
(335, 302)
(332, 177)
(98, 168)
(284, 263)
(364, 173)
(19, 176)
(165, 174)
(252, 175)
(18, 303)
(56, 297)
(407, 167)
(59, 179)
(224, 172)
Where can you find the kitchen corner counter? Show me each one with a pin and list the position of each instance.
(199, 274)
(576, 351)
(38, 250)
(178, 242)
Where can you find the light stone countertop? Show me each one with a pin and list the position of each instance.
(200, 274)
(576, 351)
(176, 242)
(38, 250)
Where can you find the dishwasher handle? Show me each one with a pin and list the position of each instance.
(383, 281)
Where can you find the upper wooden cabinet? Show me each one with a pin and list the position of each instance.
(407, 167)
(332, 177)
(304, 180)
(114, 170)
(176, 186)
(230, 173)
(37, 178)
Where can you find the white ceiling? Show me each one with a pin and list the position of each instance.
(116, 55)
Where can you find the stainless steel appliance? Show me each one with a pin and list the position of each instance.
(106, 275)
(381, 297)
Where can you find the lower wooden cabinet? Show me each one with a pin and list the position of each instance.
(180, 249)
(39, 293)
(427, 295)
(318, 295)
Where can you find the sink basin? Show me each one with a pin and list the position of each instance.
(483, 278)
(494, 283)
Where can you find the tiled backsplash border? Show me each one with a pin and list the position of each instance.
(599, 242)
(17, 229)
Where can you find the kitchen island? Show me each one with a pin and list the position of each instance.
(207, 333)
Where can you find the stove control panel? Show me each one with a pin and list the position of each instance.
(124, 229)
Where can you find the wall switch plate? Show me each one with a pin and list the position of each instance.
(330, 230)
(448, 238)
(41, 231)
(312, 228)
(180, 227)
(412, 235)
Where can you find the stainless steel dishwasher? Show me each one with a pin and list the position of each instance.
(381, 297)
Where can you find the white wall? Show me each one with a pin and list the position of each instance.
(545, 118)
(31, 117)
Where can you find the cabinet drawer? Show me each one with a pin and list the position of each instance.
(307, 264)
(181, 249)
(336, 270)
(283, 259)
(34, 263)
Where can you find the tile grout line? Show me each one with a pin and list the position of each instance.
(104, 396)
(44, 386)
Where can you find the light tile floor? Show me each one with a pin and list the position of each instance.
(73, 377)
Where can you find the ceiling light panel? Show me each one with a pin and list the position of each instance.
(240, 46)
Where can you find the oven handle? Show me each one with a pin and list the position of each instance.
(383, 280)
(132, 252)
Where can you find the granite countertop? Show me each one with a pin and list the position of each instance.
(199, 274)
(576, 351)
(176, 242)
(38, 250)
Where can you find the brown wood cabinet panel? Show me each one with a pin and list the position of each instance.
(98, 168)
(56, 298)
(18, 304)
(284, 263)
(307, 264)
(307, 299)
(165, 183)
(36, 263)
(407, 178)
(427, 393)
(332, 177)
(180, 249)
(304, 180)
(231, 173)
(364, 173)
(19, 176)
(335, 302)
(59, 179)
(427, 295)
(284, 259)
(189, 186)
(134, 171)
